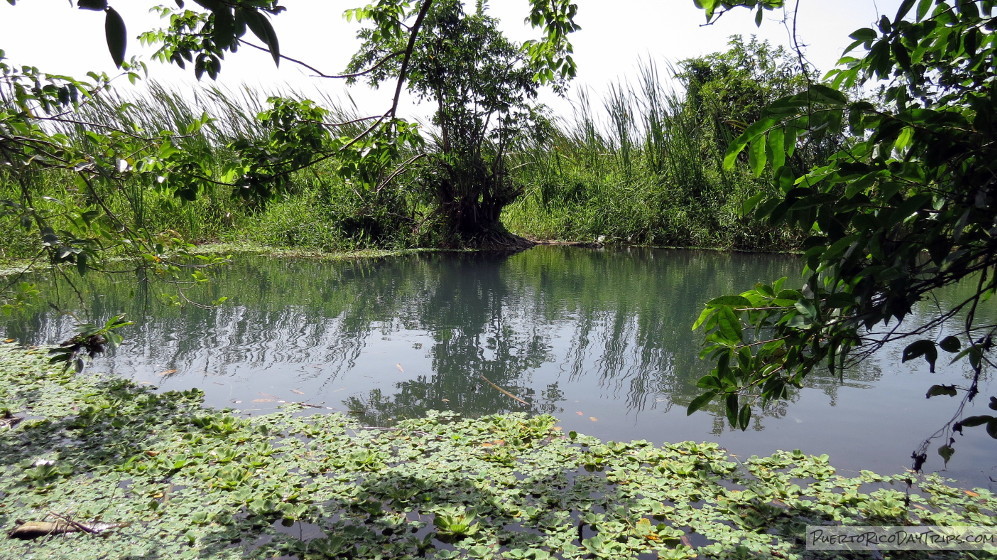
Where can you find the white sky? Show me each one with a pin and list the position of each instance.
(615, 35)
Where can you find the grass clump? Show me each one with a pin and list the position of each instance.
(193, 483)
(645, 164)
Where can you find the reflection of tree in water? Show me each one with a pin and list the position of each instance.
(533, 323)
(630, 327)
(482, 333)
(279, 311)
(864, 370)
(626, 327)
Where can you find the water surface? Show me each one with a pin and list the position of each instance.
(600, 339)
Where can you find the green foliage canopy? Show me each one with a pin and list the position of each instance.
(729, 89)
(905, 207)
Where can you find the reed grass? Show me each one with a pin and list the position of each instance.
(646, 170)
(634, 167)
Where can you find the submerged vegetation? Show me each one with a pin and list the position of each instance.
(137, 473)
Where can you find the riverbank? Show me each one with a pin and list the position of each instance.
(170, 478)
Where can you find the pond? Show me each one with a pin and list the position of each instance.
(600, 339)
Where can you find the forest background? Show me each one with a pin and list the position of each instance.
(631, 153)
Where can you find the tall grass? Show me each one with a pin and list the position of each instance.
(318, 212)
(637, 166)
(619, 107)
(646, 170)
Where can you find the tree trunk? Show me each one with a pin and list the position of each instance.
(476, 224)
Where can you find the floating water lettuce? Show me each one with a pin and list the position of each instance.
(197, 483)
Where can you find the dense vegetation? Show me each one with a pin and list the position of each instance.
(645, 164)
(481, 87)
(906, 206)
(644, 168)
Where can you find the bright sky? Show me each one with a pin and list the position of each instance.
(615, 35)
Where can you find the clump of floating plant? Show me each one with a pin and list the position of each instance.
(159, 475)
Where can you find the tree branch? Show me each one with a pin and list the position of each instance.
(319, 73)
(413, 34)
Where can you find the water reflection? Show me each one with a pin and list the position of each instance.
(436, 327)
(601, 339)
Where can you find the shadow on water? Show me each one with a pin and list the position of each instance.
(600, 339)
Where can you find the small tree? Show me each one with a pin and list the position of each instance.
(728, 90)
(481, 85)
(725, 92)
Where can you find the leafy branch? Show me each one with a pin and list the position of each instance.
(903, 209)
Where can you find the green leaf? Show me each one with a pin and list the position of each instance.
(731, 409)
(937, 390)
(261, 27)
(746, 137)
(116, 35)
(700, 401)
(777, 148)
(967, 9)
(950, 344)
(728, 325)
(224, 27)
(827, 94)
(710, 382)
(750, 204)
(806, 309)
(744, 417)
(733, 301)
(703, 316)
(865, 34)
(756, 156)
(885, 25)
(920, 348)
(879, 60)
(904, 8)
(837, 248)
(904, 138)
(709, 6)
(791, 134)
(785, 179)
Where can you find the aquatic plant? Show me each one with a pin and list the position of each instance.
(168, 478)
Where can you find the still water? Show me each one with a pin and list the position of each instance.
(600, 339)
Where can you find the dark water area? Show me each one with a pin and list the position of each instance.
(600, 339)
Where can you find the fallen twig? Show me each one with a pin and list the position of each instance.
(61, 526)
(308, 405)
(504, 392)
